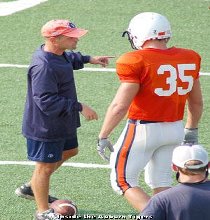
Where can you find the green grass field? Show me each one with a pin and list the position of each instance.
(105, 20)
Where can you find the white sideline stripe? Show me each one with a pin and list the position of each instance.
(98, 69)
(84, 69)
(204, 74)
(8, 8)
(13, 65)
(79, 165)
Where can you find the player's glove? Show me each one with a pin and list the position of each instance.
(191, 136)
(104, 143)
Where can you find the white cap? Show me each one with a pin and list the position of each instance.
(185, 153)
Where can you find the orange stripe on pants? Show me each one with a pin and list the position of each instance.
(122, 157)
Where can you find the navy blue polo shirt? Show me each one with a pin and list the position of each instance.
(182, 202)
(52, 109)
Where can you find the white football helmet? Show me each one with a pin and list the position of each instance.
(147, 26)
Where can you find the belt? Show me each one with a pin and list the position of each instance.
(142, 121)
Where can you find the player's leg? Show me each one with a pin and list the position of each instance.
(127, 161)
(158, 173)
(137, 197)
(158, 170)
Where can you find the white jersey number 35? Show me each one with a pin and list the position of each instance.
(172, 79)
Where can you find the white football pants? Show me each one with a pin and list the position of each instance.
(145, 146)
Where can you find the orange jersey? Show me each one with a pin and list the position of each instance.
(165, 76)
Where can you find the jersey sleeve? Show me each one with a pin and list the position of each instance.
(195, 58)
(129, 68)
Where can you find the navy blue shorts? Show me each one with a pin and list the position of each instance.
(49, 152)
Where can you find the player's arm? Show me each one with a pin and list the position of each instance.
(130, 84)
(194, 113)
(195, 106)
(118, 108)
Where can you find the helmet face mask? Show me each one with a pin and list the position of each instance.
(130, 38)
(147, 26)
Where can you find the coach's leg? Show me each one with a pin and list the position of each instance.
(40, 184)
(67, 154)
(70, 150)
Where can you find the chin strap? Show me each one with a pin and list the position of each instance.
(129, 38)
(201, 181)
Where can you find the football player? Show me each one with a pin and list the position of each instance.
(156, 82)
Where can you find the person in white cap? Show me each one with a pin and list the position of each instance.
(52, 109)
(190, 199)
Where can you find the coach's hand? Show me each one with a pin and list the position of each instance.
(102, 60)
(88, 113)
(191, 136)
(104, 143)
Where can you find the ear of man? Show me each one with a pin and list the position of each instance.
(174, 167)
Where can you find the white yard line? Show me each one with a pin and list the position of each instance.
(8, 8)
(79, 165)
(7, 65)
